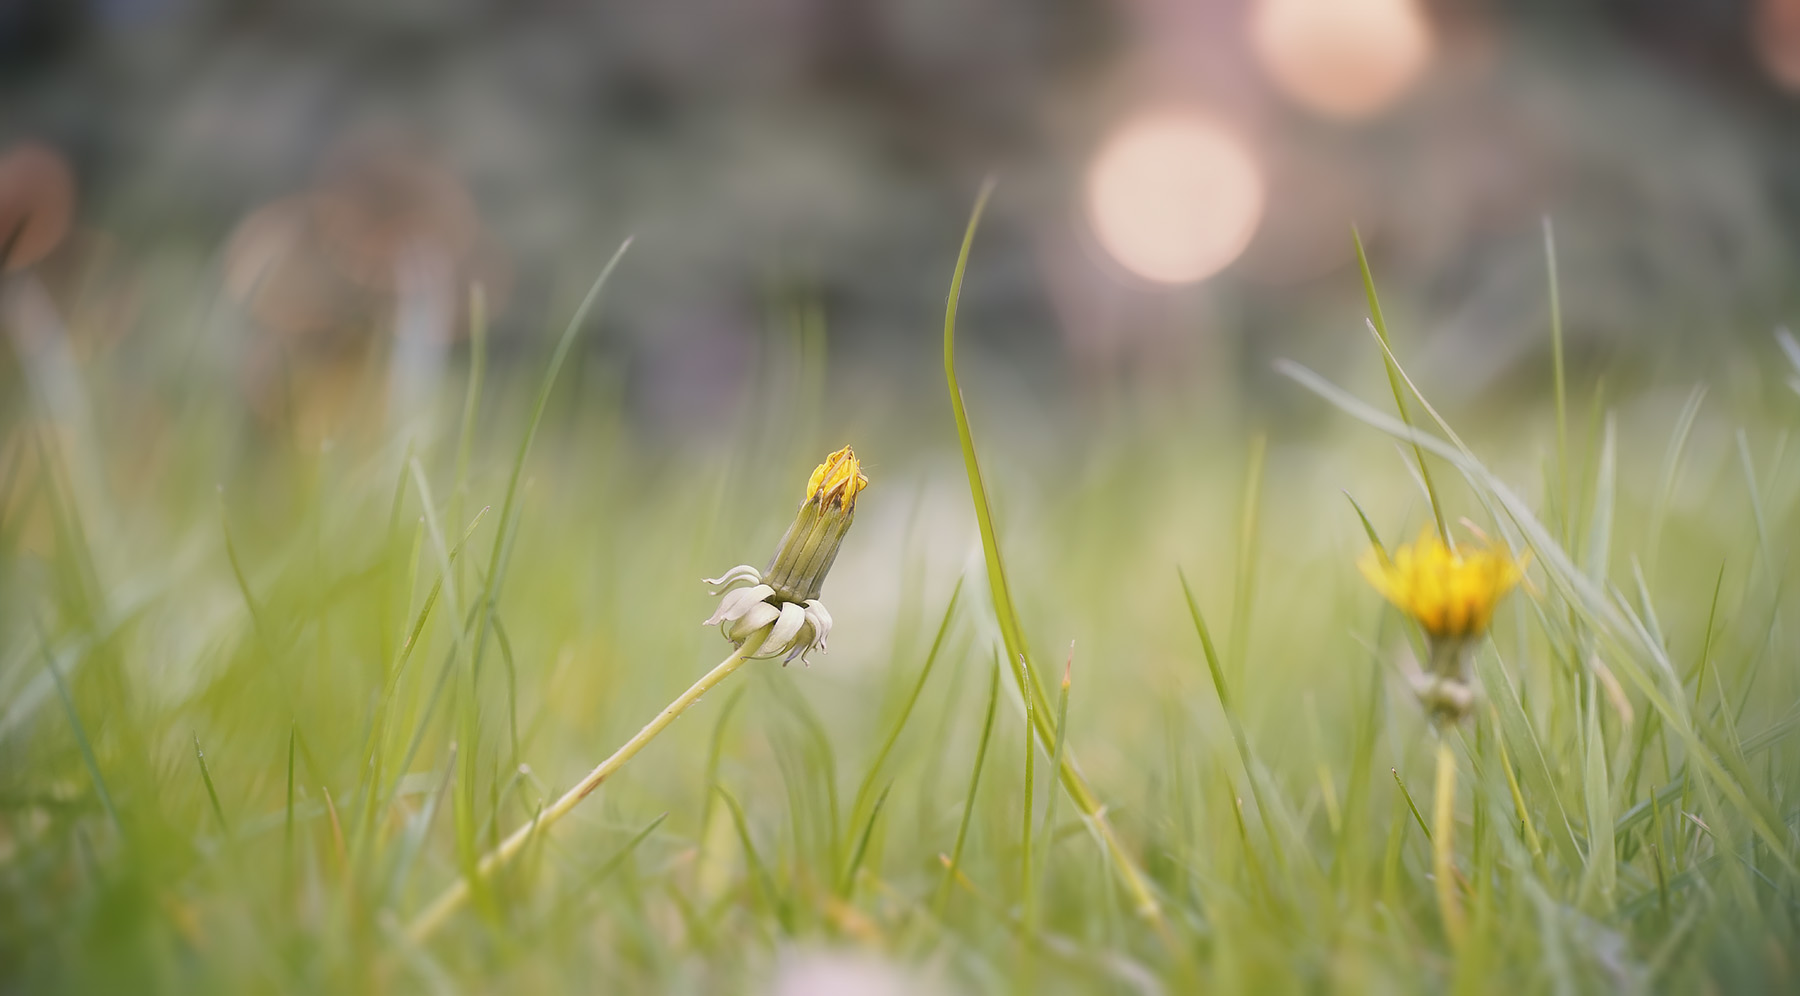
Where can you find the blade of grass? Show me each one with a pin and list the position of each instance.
(759, 872)
(1249, 540)
(1792, 348)
(1526, 826)
(421, 829)
(1378, 323)
(1564, 512)
(1411, 806)
(465, 437)
(1671, 467)
(603, 871)
(1226, 705)
(287, 831)
(1005, 614)
(710, 865)
(1515, 728)
(968, 813)
(1600, 876)
(1748, 465)
(815, 752)
(237, 572)
(906, 710)
(1599, 532)
(212, 794)
(1368, 528)
(463, 809)
(1027, 897)
(507, 526)
(1034, 913)
(1672, 792)
(81, 735)
(862, 843)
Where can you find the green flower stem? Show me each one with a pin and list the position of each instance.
(1443, 831)
(453, 898)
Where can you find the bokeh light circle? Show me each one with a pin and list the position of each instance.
(1343, 59)
(1173, 197)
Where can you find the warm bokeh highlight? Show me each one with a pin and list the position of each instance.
(1174, 197)
(1344, 59)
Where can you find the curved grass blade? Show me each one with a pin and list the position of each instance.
(962, 830)
(507, 528)
(81, 737)
(1027, 898)
(1048, 833)
(862, 842)
(212, 793)
(574, 896)
(1378, 324)
(1561, 383)
(887, 747)
(759, 872)
(1004, 612)
(1231, 718)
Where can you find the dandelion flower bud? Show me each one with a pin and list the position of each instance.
(1452, 595)
(785, 597)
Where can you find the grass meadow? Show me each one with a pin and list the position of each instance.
(272, 681)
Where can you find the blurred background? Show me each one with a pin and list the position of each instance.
(255, 188)
(259, 256)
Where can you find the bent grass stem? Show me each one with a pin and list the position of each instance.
(457, 895)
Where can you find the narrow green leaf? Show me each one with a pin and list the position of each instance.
(968, 813)
(906, 710)
(212, 793)
(1378, 324)
(1412, 806)
(1560, 383)
(862, 843)
(81, 735)
(759, 872)
(1600, 876)
(1010, 632)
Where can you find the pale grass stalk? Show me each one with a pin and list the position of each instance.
(453, 898)
(1443, 836)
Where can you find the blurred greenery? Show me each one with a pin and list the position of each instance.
(251, 724)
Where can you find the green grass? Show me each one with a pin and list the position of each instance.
(259, 705)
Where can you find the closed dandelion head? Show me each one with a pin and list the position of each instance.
(784, 598)
(1452, 595)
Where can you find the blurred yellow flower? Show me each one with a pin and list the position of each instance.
(1452, 593)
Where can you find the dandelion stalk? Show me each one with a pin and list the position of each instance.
(455, 897)
(1443, 835)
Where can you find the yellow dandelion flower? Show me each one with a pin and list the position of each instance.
(785, 596)
(838, 479)
(1452, 593)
